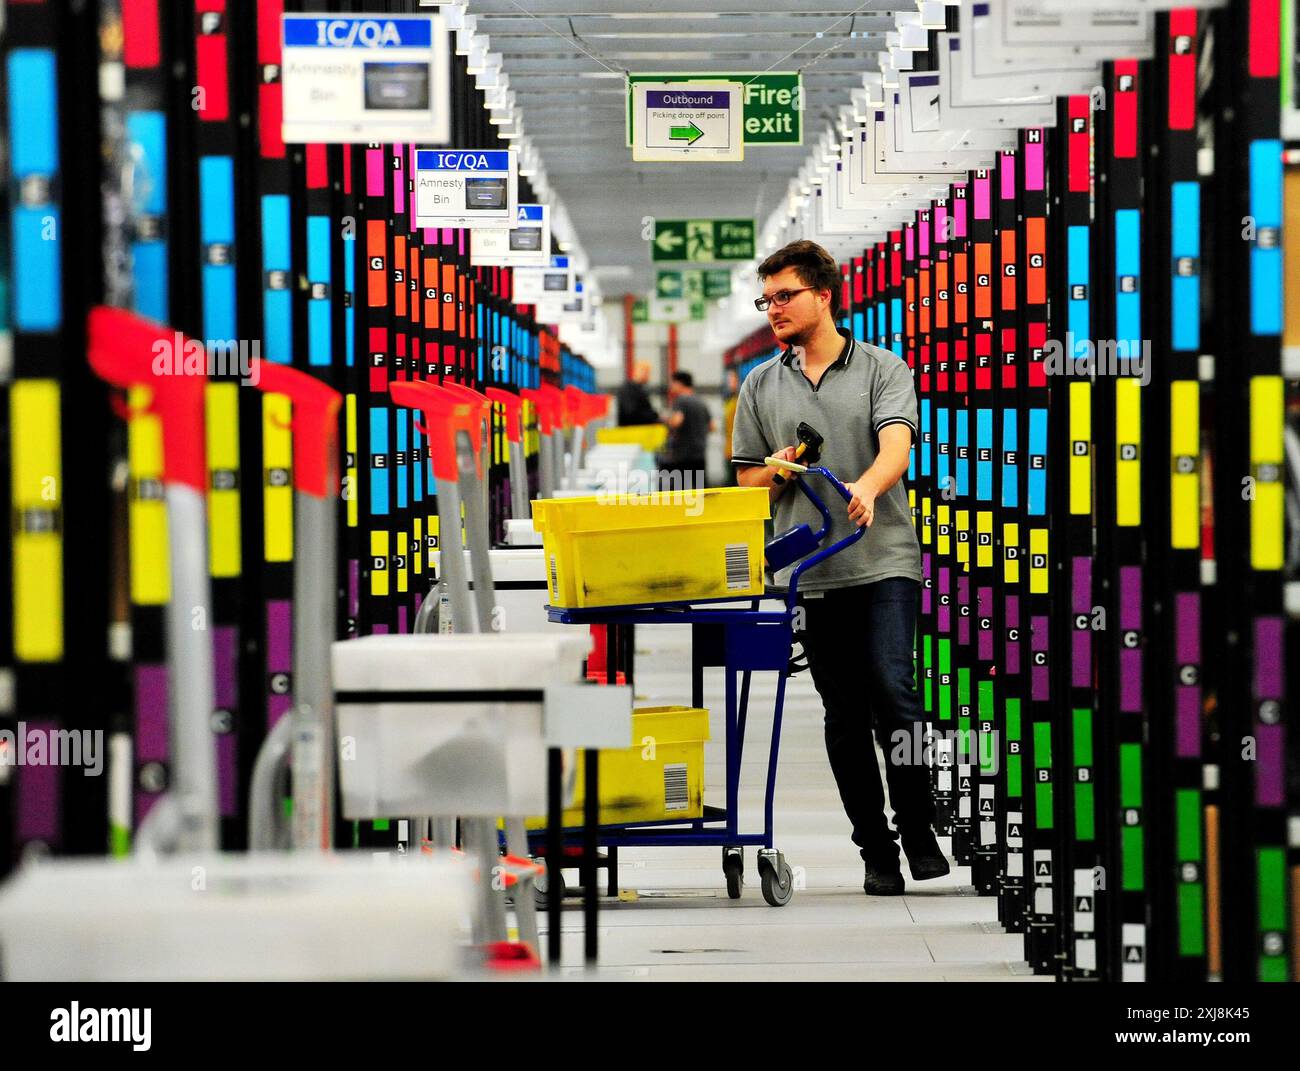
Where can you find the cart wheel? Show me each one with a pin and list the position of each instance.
(733, 866)
(539, 886)
(778, 883)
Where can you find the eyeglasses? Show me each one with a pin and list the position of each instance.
(779, 299)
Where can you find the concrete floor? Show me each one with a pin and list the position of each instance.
(674, 922)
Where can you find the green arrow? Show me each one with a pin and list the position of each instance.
(668, 240)
(690, 134)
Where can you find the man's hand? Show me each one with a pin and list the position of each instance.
(788, 453)
(862, 506)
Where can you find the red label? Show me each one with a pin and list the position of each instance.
(140, 41)
(1265, 42)
(378, 367)
(1126, 109)
(1182, 69)
(269, 112)
(1080, 118)
(210, 59)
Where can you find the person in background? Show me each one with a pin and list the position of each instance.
(729, 423)
(689, 425)
(634, 405)
(859, 606)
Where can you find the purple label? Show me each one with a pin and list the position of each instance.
(688, 98)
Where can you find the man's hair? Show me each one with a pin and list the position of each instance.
(813, 265)
(685, 379)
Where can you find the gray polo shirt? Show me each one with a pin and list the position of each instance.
(865, 389)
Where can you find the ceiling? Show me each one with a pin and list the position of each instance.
(567, 59)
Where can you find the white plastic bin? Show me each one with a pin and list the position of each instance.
(447, 724)
(264, 917)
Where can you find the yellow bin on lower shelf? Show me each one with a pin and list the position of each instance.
(667, 546)
(660, 777)
(650, 437)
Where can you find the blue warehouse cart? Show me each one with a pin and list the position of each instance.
(742, 640)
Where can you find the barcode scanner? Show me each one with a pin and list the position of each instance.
(809, 450)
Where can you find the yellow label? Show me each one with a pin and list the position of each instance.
(1081, 449)
(351, 490)
(401, 540)
(1011, 553)
(417, 547)
(1038, 572)
(1267, 510)
(379, 562)
(1128, 444)
(146, 510)
(927, 534)
(945, 540)
(1184, 461)
(963, 545)
(984, 539)
(277, 478)
(222, 438)
(36, 476)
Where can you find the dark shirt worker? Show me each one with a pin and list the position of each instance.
(689, 424)
(859, 607)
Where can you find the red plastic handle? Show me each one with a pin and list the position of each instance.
(444, 415)
(127, 350)
(514, 406)
(315, 422)
(560, 415)
(478, 420)
(545, 409)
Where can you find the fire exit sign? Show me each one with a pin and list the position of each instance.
(773, 103)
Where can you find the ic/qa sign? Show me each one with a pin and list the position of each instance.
(773, 103)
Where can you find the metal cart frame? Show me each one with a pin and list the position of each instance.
(742, 641)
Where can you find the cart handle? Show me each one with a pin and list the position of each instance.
(443, 416)
(513, 405)
(812, 496)
(479, 420)
(122, 349)
(543, 405)
(314, 424)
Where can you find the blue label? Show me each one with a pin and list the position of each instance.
(474, 160)
(529, 213)
(356, 31)
(559, 262)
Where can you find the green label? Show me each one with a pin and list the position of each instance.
(702, 240)
(717, 283)
(640, 311)
(668, 284)
(773, 105)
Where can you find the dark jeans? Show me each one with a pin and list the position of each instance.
(859, 646)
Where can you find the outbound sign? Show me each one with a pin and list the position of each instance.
(693, 122)
(772, 104)
(466, 188)
(526, 244)
(365, 78)
(703, 240)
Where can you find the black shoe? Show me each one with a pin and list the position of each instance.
(883, 879)
(924, 858)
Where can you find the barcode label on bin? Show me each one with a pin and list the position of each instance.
(555, 584)
(737, 558)
(676, 795)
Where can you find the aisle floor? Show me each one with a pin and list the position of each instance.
(674, 921)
